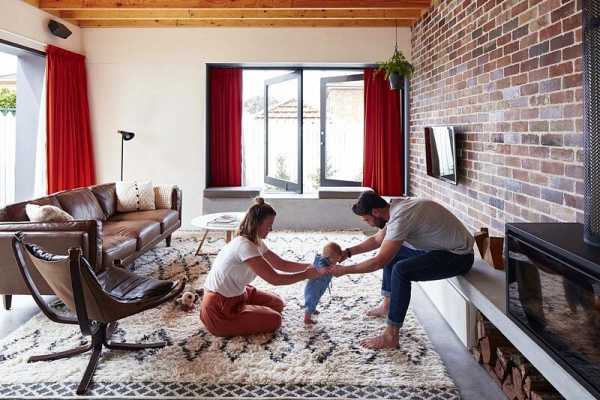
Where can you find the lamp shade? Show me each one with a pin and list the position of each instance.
(127, 135)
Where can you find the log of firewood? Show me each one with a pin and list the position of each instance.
(536, 383)
(550, 395)
(476, 354)
(526, 369)
(504, 354)
(500, 371)
(487, 355)
(489, 344)
(485, 328)
(508, 388)
(517, 379)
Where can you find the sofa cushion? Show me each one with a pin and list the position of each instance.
(118, 243)
(143, 231)
(16, 212)
(134, 196)
(81, 204)
(46, 213)
(166, 218)
(128, 286)
(107, 197)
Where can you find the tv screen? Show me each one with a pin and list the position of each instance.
(440, 149)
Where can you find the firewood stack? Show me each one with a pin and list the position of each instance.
(518, 379)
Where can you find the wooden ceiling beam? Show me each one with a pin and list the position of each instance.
(240, 14)
(273, 23)
(230, 4)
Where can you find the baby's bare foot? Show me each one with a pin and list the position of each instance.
(379, 311)
(308, 319)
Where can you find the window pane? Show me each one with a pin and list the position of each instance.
(282, 120)
(253, 125)
(344, 130)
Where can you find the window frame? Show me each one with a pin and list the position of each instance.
(323, 131)
(304, 67)
(288, 186)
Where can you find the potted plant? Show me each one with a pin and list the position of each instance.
(395, 68)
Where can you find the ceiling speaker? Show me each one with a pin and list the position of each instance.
(58, 29)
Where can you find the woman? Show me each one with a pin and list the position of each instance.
(231, 307)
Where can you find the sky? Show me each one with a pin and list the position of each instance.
(8, 64)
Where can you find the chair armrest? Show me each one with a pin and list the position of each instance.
(176, 195)
(92, 228)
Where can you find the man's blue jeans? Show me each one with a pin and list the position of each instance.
(409, 265)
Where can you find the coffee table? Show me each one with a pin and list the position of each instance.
(226, 222)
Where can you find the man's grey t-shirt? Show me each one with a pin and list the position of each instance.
(427, 225)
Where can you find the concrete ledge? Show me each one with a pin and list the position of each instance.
(341, 192)
(300, 213)
(235, 192)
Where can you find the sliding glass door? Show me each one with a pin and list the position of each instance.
(283, 132)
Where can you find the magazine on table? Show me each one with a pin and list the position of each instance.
(225, 219)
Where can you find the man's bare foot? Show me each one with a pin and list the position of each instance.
(386, 340)
(379, 311)
(308, 319)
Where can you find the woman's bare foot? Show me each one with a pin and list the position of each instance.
(379, 311)
(387, 340)
(308, 319)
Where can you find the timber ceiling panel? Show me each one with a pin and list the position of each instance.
(236, 13)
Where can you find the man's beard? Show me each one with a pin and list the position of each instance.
(380, 223)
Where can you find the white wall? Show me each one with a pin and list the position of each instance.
(153, 82)
(26, 25)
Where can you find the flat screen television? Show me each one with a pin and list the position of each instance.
(440, 153)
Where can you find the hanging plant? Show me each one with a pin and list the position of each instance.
(396, 67)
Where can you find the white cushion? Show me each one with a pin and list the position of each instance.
(134, 196)
(46, 213)
(162, 196)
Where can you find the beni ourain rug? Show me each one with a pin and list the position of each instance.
(320, 361)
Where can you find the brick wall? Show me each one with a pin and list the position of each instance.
(507, 75)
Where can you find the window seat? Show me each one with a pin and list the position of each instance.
(234, 192)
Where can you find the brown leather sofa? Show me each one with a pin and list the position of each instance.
(105, 236)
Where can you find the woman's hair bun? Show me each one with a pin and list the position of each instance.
(259, 200)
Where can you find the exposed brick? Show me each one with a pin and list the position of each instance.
(553, 167)
(552, 139)
(563, 12)
(561, 69)
(571, 81)
(562, 154)
(550, 85)
(574, 171)
(508, 73)
(551, 31)
(552, 195)
(538, 126)
(562, 41)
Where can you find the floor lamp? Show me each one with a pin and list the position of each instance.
(125, 136)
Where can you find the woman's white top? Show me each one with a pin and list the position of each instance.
(230, 273)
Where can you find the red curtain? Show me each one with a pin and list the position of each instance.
(70, 158)
(384, 149)
(225, 127)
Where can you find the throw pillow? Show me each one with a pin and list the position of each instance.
(134, 196)
(37, 213)
(162, 196)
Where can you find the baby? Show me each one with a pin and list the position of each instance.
(332, 254)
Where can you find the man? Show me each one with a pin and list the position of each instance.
(418, 240)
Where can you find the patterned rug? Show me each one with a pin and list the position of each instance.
(321, 361)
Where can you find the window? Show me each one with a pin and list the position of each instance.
(22, 123)
(8, 128)
(302, 128)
